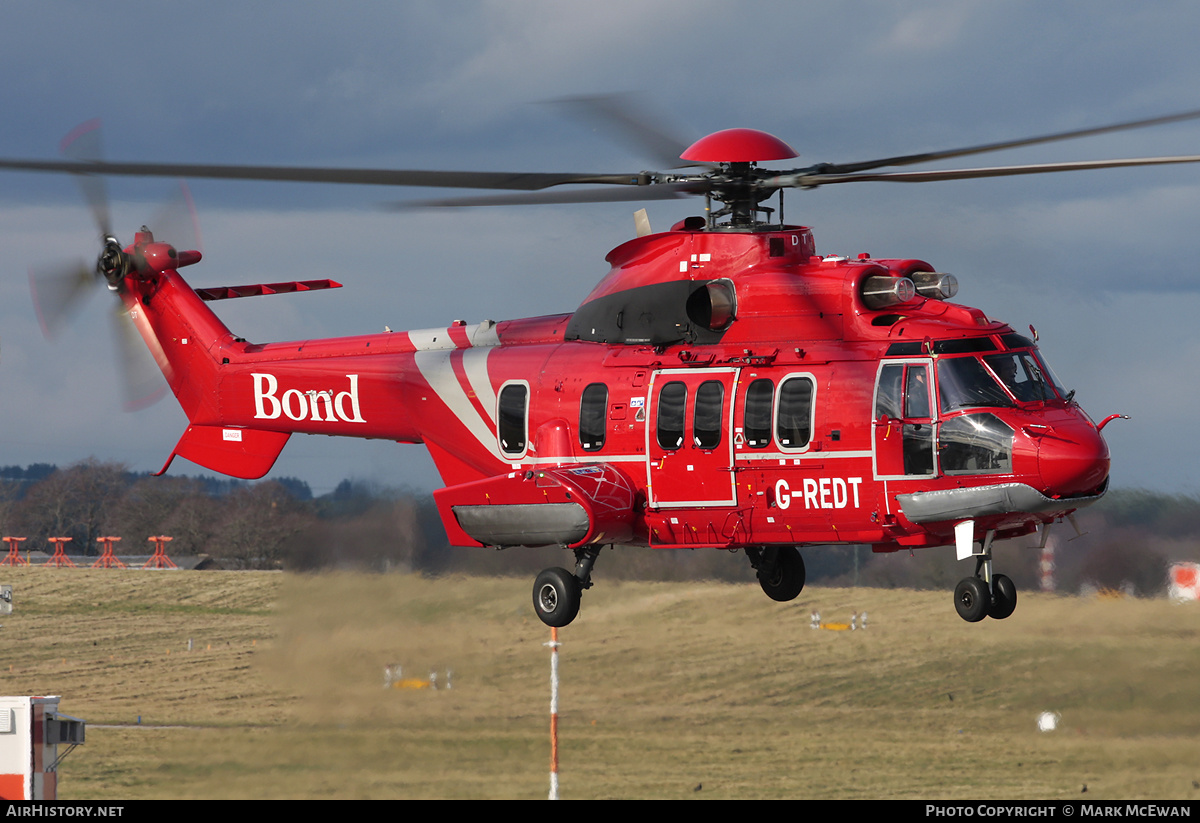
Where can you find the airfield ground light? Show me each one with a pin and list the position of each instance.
(13, 558)
(107, 559)
(59, 559)
(857, 621)
(159, 559)
(1183, 582)
(393, 678)
(1048, 721)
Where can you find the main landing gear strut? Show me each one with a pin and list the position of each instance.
(557, 592)
(986, 594)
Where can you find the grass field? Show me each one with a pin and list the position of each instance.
(669, 690)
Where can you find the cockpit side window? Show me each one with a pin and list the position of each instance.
(887, 399)
(916, 392)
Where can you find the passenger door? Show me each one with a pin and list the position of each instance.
(689, 448)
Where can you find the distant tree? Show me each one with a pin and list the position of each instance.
(256, 525)
(176, 506)
(72, 502)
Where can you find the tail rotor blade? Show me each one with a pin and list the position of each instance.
(83, 144)
(176, 221)
(142, 382)
(58, 291)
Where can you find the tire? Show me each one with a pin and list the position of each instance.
(783, 580)
(556, 597)
(972, 600)
(1004, 597)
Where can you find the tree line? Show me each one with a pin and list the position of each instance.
(263, 525)
(1130, 537)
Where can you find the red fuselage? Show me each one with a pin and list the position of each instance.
(717, 388)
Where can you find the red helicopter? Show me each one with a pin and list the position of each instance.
(724, 386)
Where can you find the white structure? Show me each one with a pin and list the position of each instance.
(1184, 583)
(31, 730)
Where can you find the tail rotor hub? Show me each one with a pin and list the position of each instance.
(113, 264)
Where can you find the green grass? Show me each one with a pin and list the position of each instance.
(669, 690)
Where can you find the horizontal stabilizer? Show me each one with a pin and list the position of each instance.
(257, 289)
(244, 453)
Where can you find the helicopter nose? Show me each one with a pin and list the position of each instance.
(1072, 458)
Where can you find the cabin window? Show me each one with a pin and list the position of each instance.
(706, 419)
(793, 418)
(514, 410)
(757, 417)
(592, 407)
(672, 409)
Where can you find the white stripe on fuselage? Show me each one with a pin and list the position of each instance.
(438, 371)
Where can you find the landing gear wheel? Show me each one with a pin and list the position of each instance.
(556, 597)
(972, 599)
(783, 580)
(1004, 597)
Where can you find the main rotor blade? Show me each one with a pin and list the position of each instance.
(926, 157)
(665, 191)
(368, 177)
(814, 180)
(623, 114)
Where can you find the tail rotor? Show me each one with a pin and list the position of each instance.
(60, 290)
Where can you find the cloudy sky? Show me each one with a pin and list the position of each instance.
(1102, 263)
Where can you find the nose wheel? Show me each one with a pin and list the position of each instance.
(986, 594)
(972, 600)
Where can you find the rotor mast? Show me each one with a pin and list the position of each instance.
(736, 183)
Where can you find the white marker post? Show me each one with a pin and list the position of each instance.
(553, 644)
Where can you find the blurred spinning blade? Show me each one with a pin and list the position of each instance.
(142, 381)
(84, 144)
(629, 118)
(60, 290)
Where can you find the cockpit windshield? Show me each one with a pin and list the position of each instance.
(1022, 375)
(963, 383)
(967, 383)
